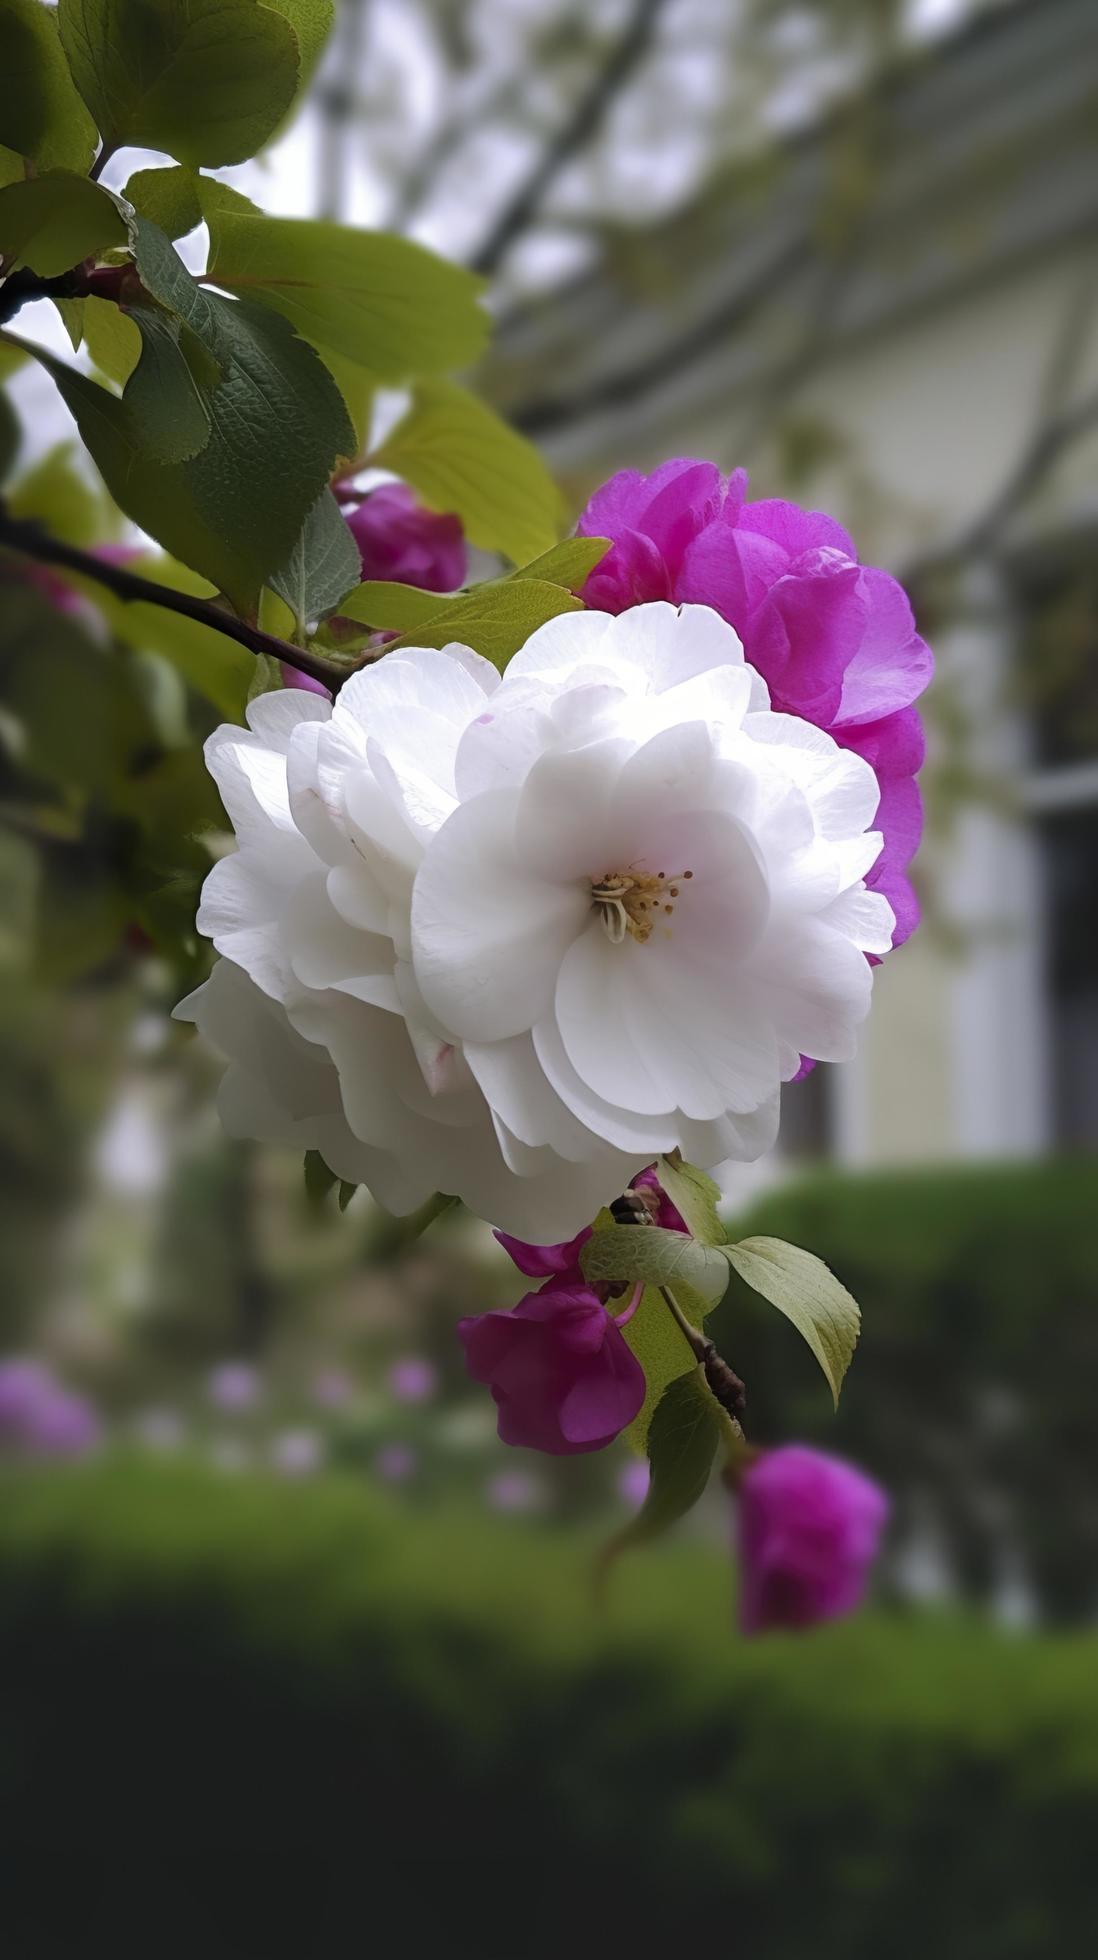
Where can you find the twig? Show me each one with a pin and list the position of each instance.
(19, 534)
(574, 136)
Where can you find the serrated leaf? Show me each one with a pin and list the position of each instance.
(390, 607)
(52, 222)
(168, 393)
(807, 1293)
(459, 456)
(380, 301)
(682, 1443)
(323, 565)
(659, 1258)
(495, 620)
(695, 1197)
(207, 81)
(41, 114)
(346, 1193)
(311, 21)
(168, 196)
(569, 563)
(234, 510)
(112, 339)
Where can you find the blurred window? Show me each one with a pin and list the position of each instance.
(807, 1125)
(1058, 678)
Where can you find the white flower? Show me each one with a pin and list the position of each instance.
(511, 939)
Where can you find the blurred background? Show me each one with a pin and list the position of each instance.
(269, 1565)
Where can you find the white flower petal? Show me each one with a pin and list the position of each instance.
(487, 936)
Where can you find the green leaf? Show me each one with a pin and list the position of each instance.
(72, 313)
(234, 510)
(12, 167)
(389, 606)
(696, 1198)
(358, 389)
(392, 307)
(41, 114)
(169, 392)
(323, 565)
(659, 1258)
(662, 1349)
(83, 719)
(54, 221)
(460, 457)
(682, 1443)
(169, 197)
(207, 81)
(112, 339)
(808, 1294)
(495, 620)
(311, 21)
(211, 665)
(569, 563)
(56, 493)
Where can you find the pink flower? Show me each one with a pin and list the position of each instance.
(297, 1452)
(234, 1386)
(808, 1529)
(40, 1417)
(396, 1462)
(399, 539)
(547, 1261)
(558, 1368)
(834, 640)
(562, 1261)
(633, 1482)
(413, 1379)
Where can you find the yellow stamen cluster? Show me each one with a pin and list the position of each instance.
(633, 901)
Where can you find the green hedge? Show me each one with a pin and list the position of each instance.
(974, 1389)
(244, 1718)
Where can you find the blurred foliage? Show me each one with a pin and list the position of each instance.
(443, 1742)
(974, 1391)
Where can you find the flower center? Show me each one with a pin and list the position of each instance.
(634, 901)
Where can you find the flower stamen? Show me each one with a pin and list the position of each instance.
(630, 901)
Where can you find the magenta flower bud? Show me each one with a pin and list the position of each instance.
(834, 640)
(293, 677)
(808, 1529)
(559, 1369)
(546, 1261)
(398, 538)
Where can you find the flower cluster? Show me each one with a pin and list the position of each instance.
(512, 938)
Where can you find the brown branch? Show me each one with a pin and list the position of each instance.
(979, 538)
(19, 534)
(574, 135)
